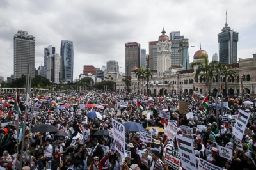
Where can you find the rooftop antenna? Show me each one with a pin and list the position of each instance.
(226, 18)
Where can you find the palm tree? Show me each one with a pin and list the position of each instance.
(140, 74)
(227, 71)
(148, 75)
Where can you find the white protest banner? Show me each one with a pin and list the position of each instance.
(105, 149)
(200, 127)
(82, 106)
(224, 118)
(190, 115)
(204, 165)
(128, 154)
(187, 131)
(154, 131)
(172, 157)
(171, 129)
(225, 104)
(143, 158)
(225, 152)
(240, 125)
(119, 137)
(165, 115)
(146, 136)
(186, 152)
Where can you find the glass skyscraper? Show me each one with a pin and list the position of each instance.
(67, 60)
(143, 57)
(227, 45)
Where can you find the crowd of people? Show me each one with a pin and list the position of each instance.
(75, 131)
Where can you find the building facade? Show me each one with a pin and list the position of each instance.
(67, 60)
(47, 52)
(215, 57)
(53, 68)
(100, 73)
(112, 67)
(143, 58)
(152, 55)
(175, 35)
(89, 69)
(132, 56)
(227, 40)
(23, 54)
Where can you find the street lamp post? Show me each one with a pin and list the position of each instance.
(163, 83)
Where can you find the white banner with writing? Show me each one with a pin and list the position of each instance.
(119, 137)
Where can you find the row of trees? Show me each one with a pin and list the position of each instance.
(143, 74)
(208, 70)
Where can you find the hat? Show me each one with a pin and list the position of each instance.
(157, 142)
(130, 145)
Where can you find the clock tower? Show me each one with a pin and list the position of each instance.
(163, 54)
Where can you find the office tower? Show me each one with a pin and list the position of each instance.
(175, 35)
(132, 56)
(23, 54)
(215, 57)
(1, 79)
(67, 60)
(152, 55)
(89, 69)
(100, 73)
(47, 51)
(112, 67)
(53, 68)
(227, 45)
(143, 57)
(179, 52)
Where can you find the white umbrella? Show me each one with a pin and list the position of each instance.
(247, 102)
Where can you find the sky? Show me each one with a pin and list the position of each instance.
(99, 29)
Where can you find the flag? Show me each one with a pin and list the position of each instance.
(205, 104)
(21, 131)
(139, 106)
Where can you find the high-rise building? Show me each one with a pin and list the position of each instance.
(152, 55)
(175, 35)
(1, 79)
(215, 57)
(179, 52)
(112, 67)
(132, 56)
(100, 73)
(89, 69)
(67, 60)
(227, 45)
(143, 58)
(53, 68)
(23, 54)
(47, 52)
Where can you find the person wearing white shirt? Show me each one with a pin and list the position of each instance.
(47, 154)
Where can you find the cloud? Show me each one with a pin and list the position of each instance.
(99, 29)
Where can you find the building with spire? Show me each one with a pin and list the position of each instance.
(227, 45)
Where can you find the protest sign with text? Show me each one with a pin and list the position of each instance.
(119, 137)
(204, 165)
(171, 129)
(171, 156)
(146, 136)
(225, 152)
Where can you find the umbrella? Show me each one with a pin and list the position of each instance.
(247, 102)
(133, 126)
(93, 115)
(100, 107)
(61, 107)
(101, 133)
(44, 128)
(90, 105)
(61, 133)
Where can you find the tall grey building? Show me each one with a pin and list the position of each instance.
(143, 57)
(53, 68)
(23, 54)
(112, 67)
(179, 53)
(67, 60)
(152, 55)
(47, 52)
(215, 57)
(227, 45)
(132, 56)
(175, 35)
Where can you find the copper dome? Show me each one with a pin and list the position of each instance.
(163, 37)
(134, 68)
(200, 52)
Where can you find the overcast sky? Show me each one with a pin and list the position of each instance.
(99, 29)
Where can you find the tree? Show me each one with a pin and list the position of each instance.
(127, 82)
(109, 84)
(227, 71)
(140, 74)
(148, 75)
(109, 77)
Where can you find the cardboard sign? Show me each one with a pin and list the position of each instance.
(183, 107)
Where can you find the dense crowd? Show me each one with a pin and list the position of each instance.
(76, 132)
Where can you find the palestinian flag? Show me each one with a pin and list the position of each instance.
(181, 144)
(139, 106)
(205, 104)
